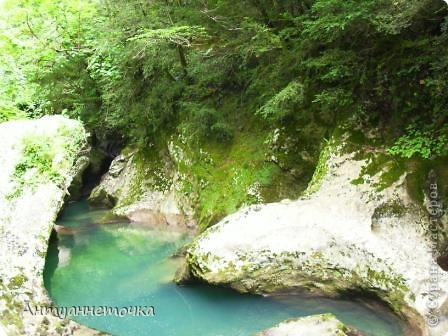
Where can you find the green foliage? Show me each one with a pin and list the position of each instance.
(43, 160)
(140, 71)
(222, 132)
(183, 35)
(284, 103)
(128, 68)
(37, 161)
(205, 123)
(38, 40)
(203, 119)
(415, 142)
(10, 113)
(258, 39)
(332, 101)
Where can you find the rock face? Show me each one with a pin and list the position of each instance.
(136, 192)
(318, 325)
(342, 237)
(37, 163)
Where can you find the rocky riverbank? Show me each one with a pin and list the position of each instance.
(136, 191)
(318, 325)
(38, 160)
(346, 234)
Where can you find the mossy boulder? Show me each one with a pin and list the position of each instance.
(37, 164)
(143, 190)
(339, 237)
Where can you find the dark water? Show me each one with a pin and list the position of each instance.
(120, 265)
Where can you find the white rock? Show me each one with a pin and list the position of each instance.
(317, 325)
(335, 240)
(27, 214)
(133, 195)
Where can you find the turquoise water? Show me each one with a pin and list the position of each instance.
(122, 265)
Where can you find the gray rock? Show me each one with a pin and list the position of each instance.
(27, 213)
(133, 192)
(75, 189)
(317, 325)
(338, 238)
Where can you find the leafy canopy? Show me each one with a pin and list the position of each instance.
(136, 70)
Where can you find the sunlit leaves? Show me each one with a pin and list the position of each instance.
(417, 142)
(283, 103)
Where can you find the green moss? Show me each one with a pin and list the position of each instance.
(358, 181)
(415, 182)
(45, 159)
(392, 171)
(389, 169)
(221, 178)
(418, 174)
(391, 209)
(230, 269)
(151, 173)
(320, 171)
(42, 253)
(11, 314)
(17, 281)
(327, 317)
(396, 289)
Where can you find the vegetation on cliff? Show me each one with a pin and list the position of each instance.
(257, 84)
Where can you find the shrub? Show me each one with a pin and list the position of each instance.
(222, 132)
(417, 142)
(283, 103)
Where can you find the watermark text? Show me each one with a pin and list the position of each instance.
(63, 312)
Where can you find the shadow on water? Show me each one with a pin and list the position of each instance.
(119, 265)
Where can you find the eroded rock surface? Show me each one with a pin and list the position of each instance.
(342, 237)
(318, 325)
(37, 162)
(135, 192)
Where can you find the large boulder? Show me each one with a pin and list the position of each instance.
(341, 237)
(37, 163)
(143, 193)
(317, 325)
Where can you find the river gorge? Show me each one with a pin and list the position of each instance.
(122, 265)
(223, 168)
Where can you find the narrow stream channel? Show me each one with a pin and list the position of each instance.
(122, 265)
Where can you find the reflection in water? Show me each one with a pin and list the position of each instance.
(120, 265)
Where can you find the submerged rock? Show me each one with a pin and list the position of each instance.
(132, 190)
(37, 165)
(318, 325)
(342, 237)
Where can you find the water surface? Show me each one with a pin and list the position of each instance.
(122, 265)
